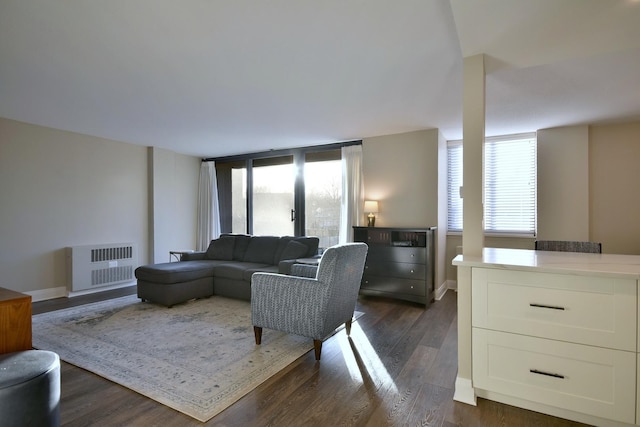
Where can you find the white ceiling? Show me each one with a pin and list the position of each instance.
(219, 77)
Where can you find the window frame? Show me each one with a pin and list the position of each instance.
(224, 165)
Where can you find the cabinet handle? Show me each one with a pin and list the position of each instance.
(551, 307)
(548, 374)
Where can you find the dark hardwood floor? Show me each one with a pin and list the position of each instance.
(397, 369)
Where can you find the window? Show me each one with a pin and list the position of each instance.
(285, 192)
(323, 193)
(509, 185)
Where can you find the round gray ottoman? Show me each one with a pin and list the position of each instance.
(30, 389)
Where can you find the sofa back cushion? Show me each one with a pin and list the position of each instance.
(221, 248)
(293, 250)
(242, 243)
(261, 249)
(311, 243)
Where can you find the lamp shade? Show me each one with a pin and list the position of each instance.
(371, 206)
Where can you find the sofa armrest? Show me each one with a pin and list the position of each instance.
(193, 256)
(284, 266)
(304, 270)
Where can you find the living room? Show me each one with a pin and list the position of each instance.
(63, 185)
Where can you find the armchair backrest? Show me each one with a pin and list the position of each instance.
(340, 269)
(568, 246)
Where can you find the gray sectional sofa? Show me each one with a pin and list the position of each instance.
(224, 269)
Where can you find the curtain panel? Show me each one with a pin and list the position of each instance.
(208, 226)
(352, 201)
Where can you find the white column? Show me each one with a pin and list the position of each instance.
(473, 117)
(473, 214)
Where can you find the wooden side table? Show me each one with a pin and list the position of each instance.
(15, 321)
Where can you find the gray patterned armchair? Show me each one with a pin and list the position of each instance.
(310, 306)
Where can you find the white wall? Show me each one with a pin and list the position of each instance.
(173, 199)
(614, 176)
(401, 172)
(563, 183)
(59, 189)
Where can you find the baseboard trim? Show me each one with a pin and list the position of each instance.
(45, 294)
(62, 291)
(72, 294)
(442, 289)
(465, 392)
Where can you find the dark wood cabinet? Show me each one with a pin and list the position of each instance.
(400, 262)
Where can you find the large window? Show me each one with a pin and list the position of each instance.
(272, 194)
(509, 185)
(323, 193)
(290, 192)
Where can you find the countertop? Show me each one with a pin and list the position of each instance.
(624, 266)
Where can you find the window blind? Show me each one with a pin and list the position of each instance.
(454, 182)
(510, 185)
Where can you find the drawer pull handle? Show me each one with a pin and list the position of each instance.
(551, 307)
(548, 374)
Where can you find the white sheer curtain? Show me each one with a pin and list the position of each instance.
(352, 202)
(208, 210)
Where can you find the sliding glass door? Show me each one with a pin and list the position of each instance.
(323, 190)
(294, 193)
(273, 196)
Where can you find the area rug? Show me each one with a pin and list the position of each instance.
(198, 358)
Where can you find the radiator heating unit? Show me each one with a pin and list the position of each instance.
(96, 266)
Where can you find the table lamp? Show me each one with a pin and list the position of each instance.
(371, 206)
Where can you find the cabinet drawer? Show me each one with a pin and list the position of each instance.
(393, 285)
(396, 269)
(581, 309)
(415, 255)
(590, 380)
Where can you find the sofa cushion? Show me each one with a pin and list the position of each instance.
(282, 243)
(242, 242)
(246, 275)
(311, 243)
(176, 272)
(235, 270)
(294, 250)
(261, 249)
(221, 248)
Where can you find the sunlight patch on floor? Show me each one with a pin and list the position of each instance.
(363, 361)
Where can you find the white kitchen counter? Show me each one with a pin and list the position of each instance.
(626, 266)
(564, 311)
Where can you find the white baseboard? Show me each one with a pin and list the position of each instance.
(45, 294)
(62, 291)
(442, 289)
(72, 294)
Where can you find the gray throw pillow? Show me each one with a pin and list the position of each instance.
(294, 250)
(221, 248)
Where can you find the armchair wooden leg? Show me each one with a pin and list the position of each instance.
(347, 326)
(317, 346)
(257, 331)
